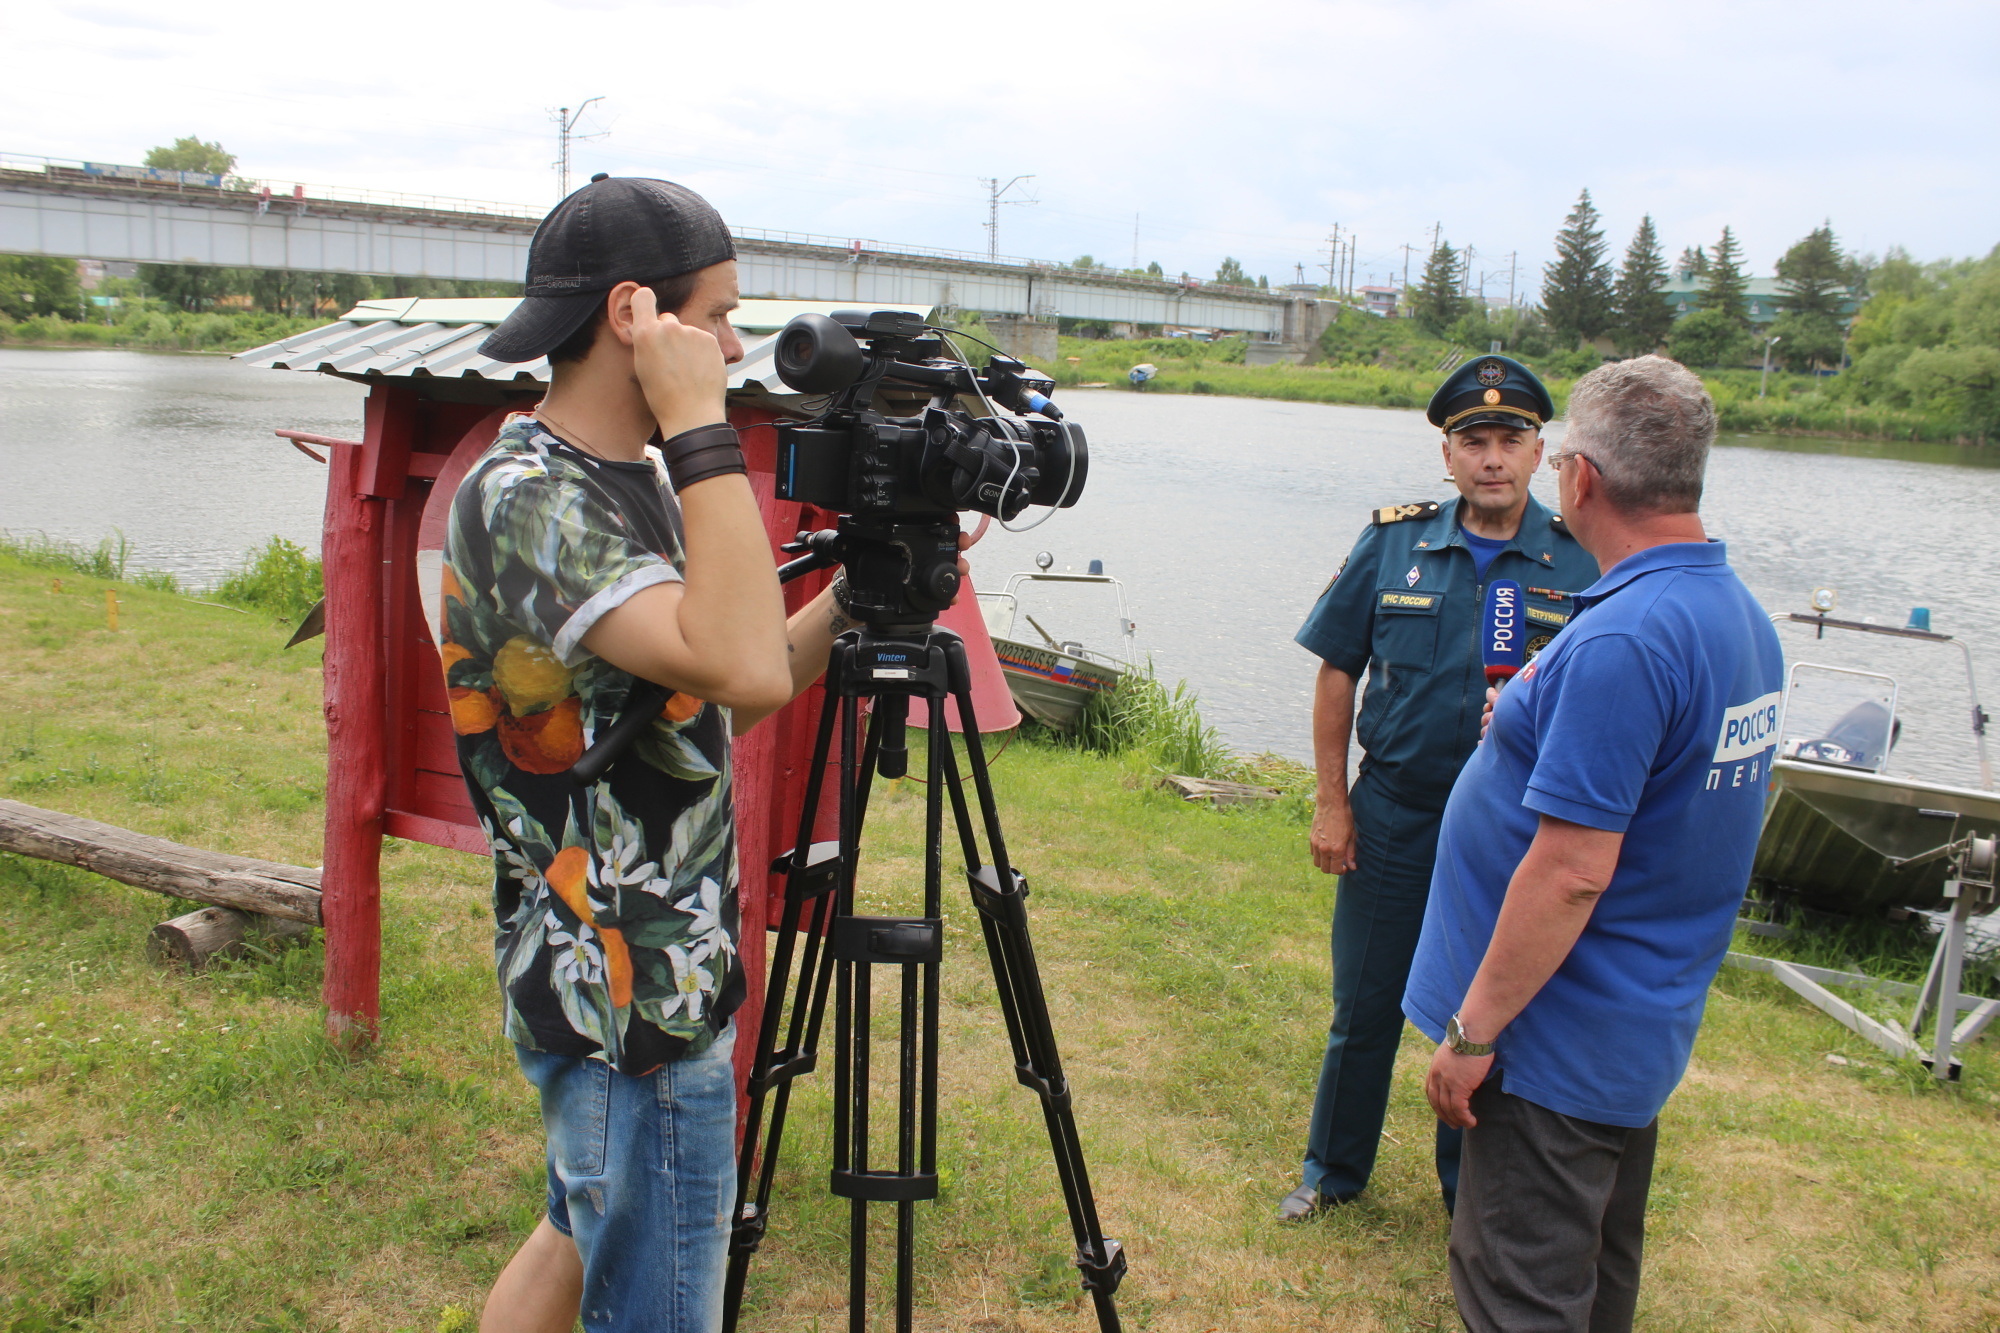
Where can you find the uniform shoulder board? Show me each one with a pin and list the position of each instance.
(1556, 522)
(1397, 513)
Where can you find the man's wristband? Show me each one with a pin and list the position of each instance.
(704, 452)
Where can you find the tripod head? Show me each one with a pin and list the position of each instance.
(900, 576)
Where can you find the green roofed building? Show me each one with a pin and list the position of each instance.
(1762, 295)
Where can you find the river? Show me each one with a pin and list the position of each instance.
(1224, 517)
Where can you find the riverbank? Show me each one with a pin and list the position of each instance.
(187, 1151)
(1793, 405)
(150, 328)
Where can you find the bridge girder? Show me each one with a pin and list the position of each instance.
(340, 237)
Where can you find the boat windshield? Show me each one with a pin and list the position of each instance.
(1839, 717)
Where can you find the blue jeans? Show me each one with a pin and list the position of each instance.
(642, 1176)
(1378, 912)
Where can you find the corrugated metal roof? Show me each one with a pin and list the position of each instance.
(427, 338)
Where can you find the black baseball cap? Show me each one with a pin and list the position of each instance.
(613, 230)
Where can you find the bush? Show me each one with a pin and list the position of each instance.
(1709, 338)
(281, 579)
(1142, 718)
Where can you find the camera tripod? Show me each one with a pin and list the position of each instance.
(824, 947)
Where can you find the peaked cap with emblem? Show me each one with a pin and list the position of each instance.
(613, 230)
(1495, 389)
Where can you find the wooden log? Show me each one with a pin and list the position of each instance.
(208, 933)
(241, 882)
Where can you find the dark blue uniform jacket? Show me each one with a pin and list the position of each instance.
(1406, 607)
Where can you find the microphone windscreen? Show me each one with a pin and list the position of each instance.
(1501, 641)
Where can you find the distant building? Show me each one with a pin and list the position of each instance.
(1763, 296)
(1379, 300)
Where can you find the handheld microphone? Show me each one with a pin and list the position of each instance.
(1500, 637)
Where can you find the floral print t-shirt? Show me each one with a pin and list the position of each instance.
(615, 903)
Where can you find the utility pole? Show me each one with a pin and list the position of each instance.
(1350, 264)
(1512, 255)
(1135, 240)
(1333, 261)
(565, 133)
(1465, 273)
(994, 189)
(1437, 230)
(1406, 266)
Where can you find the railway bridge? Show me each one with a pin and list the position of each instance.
(90, 210)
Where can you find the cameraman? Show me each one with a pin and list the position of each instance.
(1406, 608)
(572, 571)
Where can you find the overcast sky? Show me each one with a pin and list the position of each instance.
(1245, 130)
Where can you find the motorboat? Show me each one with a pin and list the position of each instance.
(1053, 679)
(1842, 835)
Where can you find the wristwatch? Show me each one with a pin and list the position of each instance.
(1454, 1037)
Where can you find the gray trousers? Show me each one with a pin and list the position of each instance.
(1551, 1219)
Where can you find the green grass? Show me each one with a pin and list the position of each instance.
(148, 326)
(187, 1152)
(1794, 405)
(278, 577)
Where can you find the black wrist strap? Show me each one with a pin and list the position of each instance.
(704, 452)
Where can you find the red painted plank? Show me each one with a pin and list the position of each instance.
(436, 832)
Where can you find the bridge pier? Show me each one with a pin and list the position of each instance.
(1019, 335)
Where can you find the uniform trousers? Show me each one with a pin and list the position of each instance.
(1378, 912)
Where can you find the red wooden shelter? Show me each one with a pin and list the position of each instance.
(392, 767)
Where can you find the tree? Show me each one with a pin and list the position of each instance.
(191, 154)
(1965, 379)
(1709, 338)
(31, 286)
(191, 286)
(1725, 288)
(1232, 273)
(1576, 288)
(1153, 270)
(1083, 261)
(1813, 277)
(1641, 316)
(1814, 281)
(1693, 263)
(1438, 304)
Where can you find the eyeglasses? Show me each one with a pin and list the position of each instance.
(1556, 461)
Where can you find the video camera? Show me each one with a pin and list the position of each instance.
(899, 483)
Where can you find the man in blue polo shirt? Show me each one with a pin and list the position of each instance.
(1590, 865)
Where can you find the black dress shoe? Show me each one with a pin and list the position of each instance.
(1306, 1202)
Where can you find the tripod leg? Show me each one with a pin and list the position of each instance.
(795, 1003)
(1000, 894)
(809, 881)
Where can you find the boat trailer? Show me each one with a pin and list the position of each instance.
(1972, 892)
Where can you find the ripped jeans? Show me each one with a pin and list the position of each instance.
(642, 1176)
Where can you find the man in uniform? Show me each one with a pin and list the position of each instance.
(1406, 607)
